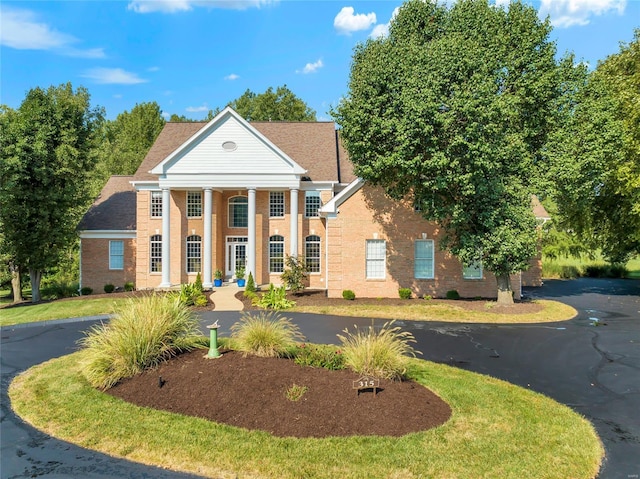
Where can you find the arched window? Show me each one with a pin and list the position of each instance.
(194, 246)
(276, 254)
(238, 212)
(312, 253)
(155, 247)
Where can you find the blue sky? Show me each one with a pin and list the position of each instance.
(193, 55)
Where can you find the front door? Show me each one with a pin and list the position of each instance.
(236, 254)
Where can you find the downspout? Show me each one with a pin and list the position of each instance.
(80, 272)
(338, 157)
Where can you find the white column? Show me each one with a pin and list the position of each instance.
(207, 280)
(294, 223)
(251, 233)
(166, 238)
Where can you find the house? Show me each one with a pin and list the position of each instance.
(229, 193)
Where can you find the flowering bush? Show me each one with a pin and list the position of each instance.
(319, 356)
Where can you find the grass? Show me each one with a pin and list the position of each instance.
(265, 334)
(379, 353)
(496, 430)
(420, 310)
(58, 310)
(573, 267)
(143, 333)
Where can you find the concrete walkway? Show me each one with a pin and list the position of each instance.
(224, 298)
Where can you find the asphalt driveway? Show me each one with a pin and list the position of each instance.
(591, 363)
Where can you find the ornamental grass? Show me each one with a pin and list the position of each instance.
(381, 354)
(266, 334)
(143, 333)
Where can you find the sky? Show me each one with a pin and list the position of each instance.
(194, 55)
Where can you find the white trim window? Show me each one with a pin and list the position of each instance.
(376, 255)
(473, 271)
(276, 204)
(312, 203)
(423, 260)
(238, 212)
(116, 254)
(194, 254)
(155, 250)
(276, 254)
(194, 204)
(312, 253)
(156, 204)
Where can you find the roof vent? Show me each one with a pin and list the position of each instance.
(229, 146)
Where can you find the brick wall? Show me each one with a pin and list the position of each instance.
(95, 264)
(369, 214)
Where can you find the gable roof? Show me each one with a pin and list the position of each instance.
(314, 146)
(114, 209)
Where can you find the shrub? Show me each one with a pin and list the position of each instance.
(427, 297)
(191, 295)
(197, 284)
(319, 356)
(295, 392)
(606, 271)
(274, 298)
(295, 273)
(86, 290)
(405, 293)
(250, 287)
(381, 354)
(618, 271)
(266, 334)
(348, 294)
(129, 286)
(109, 288)
(59, 290)
(453, 294)
(144, 332)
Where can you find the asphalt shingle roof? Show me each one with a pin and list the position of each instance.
(114, 209)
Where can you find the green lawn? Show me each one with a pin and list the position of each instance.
(57, 310)
(497, 430)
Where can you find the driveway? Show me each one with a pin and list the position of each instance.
(591, 363)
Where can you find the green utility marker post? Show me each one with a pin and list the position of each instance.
(213, 341)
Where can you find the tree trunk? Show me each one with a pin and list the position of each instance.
(505, 293)
(16, 282)
(35, 276)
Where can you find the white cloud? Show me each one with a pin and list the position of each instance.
(566, 13)
(153, 69)
(311, 67)
(117, 96)
(346, 22)
(166, 115)
(20, 29)
(173, 6)
(232, 77)
(382, 29)
(197, 109)
(113, 76)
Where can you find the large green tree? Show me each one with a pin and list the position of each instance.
(127, 139)
(452, 109)
(596, 154)
(279, 105)
(48, 154)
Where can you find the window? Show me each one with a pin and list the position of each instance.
(238, 212)
(473, 271)
(312, 253)
(156, 204)
(194, 243)
(376, 255)
(312, 203)
(276, 204)
(116, 254)
(423, 259)
(155, 247)
(194, 204)
(276, 254)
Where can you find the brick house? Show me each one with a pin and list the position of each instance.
(228, 193)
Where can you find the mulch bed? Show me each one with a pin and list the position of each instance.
(319, 298)
(249, 392)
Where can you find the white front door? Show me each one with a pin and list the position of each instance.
(236, 254)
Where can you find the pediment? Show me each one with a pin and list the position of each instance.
(228, 146)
